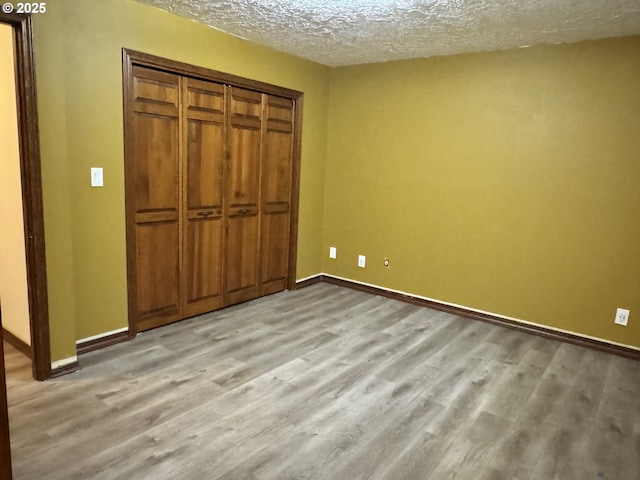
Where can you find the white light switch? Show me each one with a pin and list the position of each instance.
(96, 177)
(332, 252)
(362, 261)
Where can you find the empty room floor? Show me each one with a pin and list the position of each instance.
(330, 383)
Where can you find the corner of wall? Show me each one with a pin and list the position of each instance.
(51, 91)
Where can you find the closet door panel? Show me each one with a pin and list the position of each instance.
(244, 165)
(158, 266)
(204, 265)
(156, 163)
(153, 182)
(205, 142)
(275, 252)
(241, 260)
(276, 194)
(204, 139)
(242, 195)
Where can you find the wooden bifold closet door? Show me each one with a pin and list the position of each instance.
(204, 133)
(276, 194)
(153, 174)
(243, 194)
(209, 188)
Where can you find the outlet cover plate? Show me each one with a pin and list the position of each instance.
(622, 317)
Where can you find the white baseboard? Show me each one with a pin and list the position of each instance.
(55, 365)
(102, 335)
(300, 280)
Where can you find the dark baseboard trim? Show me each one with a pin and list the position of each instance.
(539, 330)
(65, 370)
(309, 281)
(97, 343)
(17, 343)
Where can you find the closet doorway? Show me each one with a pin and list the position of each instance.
(212, 164)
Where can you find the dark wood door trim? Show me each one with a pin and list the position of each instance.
(31, 193)
(295, 192)
(131, 58)
(127, 105)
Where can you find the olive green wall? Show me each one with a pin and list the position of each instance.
(79, 85)
(507, 182)
(504, 181)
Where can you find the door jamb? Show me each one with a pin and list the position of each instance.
(29, 143)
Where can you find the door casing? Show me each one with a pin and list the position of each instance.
(29, 143)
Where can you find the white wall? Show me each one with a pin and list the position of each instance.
(13, 274)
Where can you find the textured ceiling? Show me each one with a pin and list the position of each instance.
(347, 32)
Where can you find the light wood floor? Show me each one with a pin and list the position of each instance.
(330, 383)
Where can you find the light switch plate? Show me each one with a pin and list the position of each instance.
(361, 261)
(97, 179)
(332, 252)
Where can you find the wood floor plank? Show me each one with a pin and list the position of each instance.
(329, 383)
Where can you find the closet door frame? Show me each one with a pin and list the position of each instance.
(131, 58)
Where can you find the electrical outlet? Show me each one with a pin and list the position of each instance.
(332, 252)
(362, 261)
(622, 317)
